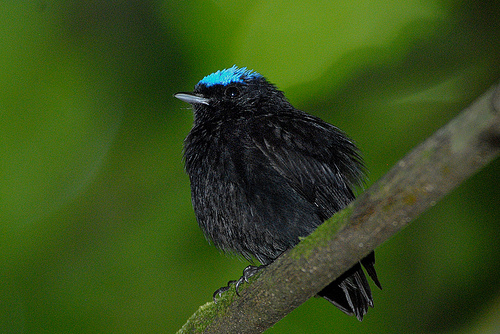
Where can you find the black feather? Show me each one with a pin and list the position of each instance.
(263, 174)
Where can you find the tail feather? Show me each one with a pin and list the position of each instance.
(369, 263)
(351, 292)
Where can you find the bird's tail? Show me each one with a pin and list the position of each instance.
(351, 292)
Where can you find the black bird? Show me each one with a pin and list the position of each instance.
(263, 174)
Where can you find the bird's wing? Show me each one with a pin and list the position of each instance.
(317, 160)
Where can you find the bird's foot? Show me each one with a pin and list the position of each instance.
(220, 291)
(247, 273)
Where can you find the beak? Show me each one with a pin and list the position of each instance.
(191, 98)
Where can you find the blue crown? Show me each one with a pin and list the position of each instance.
(229, 75)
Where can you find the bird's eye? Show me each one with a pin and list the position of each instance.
(232, 92)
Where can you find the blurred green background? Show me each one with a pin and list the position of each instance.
(97, 233)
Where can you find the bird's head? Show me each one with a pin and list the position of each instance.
(233, 92)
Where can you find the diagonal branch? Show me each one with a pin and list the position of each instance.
(430, 171)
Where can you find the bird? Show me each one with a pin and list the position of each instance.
(264, 174)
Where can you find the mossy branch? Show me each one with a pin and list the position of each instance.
(430, 171)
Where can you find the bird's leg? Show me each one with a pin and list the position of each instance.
(247, 273)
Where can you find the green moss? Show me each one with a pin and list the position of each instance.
(205, 314)
(322, 235)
